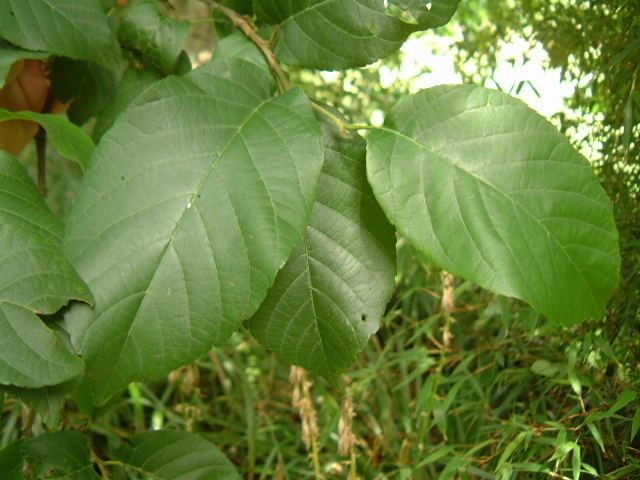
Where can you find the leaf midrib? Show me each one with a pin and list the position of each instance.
(175, 231)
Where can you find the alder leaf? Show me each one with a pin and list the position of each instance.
(493, 193)
(195, 198)
(34, 278)
(176, 455)
(329, 297)
(67, 28)
(339, 34)
(69, 139)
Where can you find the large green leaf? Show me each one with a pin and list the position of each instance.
(68, 28)
(88, 86)
(337, 34)
(34, 278)
(146, 28)
(493, 193)
(69, 139)
(10, 54)
(195, 198)
(329, 297)
(176, 455)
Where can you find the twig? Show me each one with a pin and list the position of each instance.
(249, 31)
(41, 147)
(279, 74)
(41, 152)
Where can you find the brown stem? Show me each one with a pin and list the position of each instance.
(41, 147)
(41, 151)
(249, 31)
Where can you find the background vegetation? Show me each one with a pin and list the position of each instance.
(458, 383)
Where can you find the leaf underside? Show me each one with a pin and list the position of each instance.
(493, 193)
(338, 34)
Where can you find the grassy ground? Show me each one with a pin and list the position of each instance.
(508, 397)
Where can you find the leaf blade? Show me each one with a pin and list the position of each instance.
(34, 278)
(167, 454)
(338, 34)
(329, 297)
(78, 30)
(462, 171)
(179, 268)
(70, 140)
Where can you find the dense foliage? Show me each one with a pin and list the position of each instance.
(224, 196)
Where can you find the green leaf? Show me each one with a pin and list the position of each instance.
(176, 455)
(146, 28)
(66, 28)
(328, 299)
(595, 433)
(545, 368)
(10, 54)
(32, 355)
(635, 424)
(237, 45)
(69, 139)
(181, 245)
(45, 401)
(576, 462)
(426, 14)
(132, 84)
(60, 455)
(493, 193)
(87, 85)
(11, 461)
(623, 400)
(34, 278)
(338, 34)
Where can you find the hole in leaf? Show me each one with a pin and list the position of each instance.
(363, 317)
